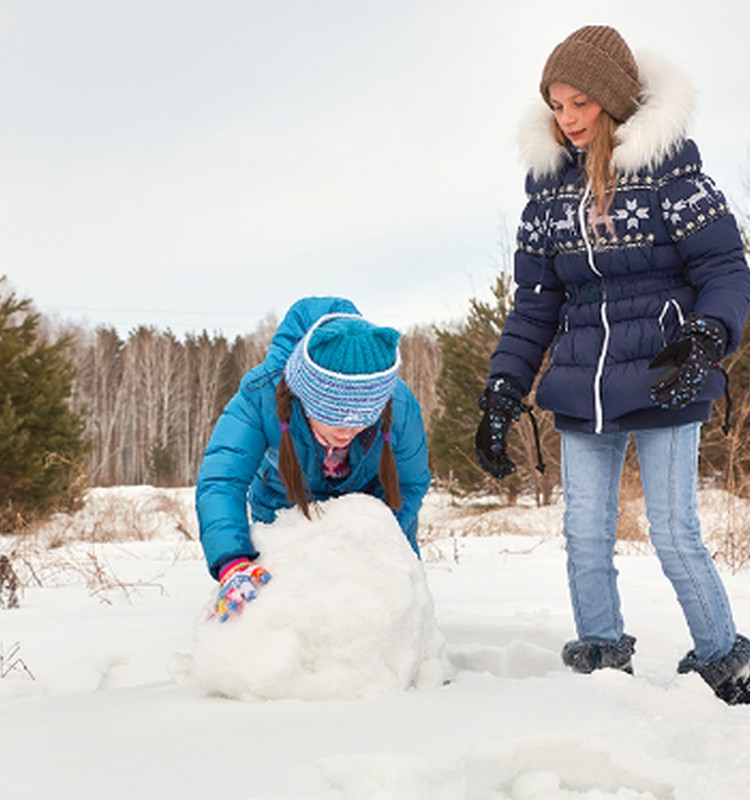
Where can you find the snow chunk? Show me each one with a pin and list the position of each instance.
(347, 614)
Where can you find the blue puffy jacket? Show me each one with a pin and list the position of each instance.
(604, 306)
(240, 465)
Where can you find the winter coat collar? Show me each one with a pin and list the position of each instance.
(655, 131)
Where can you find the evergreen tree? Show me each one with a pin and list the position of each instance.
(465, 360)
(41, 439)
(725, 454)
(466, 352)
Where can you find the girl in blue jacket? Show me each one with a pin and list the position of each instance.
(630, 271)
(324, 415)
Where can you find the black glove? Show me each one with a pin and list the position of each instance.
(501, 403)
(688, 360)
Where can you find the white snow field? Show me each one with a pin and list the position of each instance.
(358, 673)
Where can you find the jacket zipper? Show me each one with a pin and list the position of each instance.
(598, 409)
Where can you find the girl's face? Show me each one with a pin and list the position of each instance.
(576, 114)
(331, 436)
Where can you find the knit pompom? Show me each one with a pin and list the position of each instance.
(353, 346)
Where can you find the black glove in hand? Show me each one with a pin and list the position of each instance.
(688, 362)
(502, 405)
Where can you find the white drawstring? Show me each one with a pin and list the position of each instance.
(677, 308)
(598, 406)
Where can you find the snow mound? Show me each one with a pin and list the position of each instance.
(347, 614)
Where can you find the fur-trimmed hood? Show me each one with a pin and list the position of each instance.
(654, 132)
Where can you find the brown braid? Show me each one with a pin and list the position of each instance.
(291, 471)
(387, 471)
(289, 466)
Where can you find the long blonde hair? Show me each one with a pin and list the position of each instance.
(598, 168)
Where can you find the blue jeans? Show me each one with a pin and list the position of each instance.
(668, 458)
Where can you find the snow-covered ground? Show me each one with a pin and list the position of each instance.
(112, 620)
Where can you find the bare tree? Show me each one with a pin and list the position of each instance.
(421, 363)
(206, 362)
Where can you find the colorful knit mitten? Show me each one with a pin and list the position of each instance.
(239, 581)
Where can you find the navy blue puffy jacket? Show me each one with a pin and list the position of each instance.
(604, 306)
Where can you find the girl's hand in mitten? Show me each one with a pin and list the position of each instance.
(501, 403)
(687, 362)
(239, 582)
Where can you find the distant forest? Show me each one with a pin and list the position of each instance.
(150, 401)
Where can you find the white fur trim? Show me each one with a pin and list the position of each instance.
(660, 124)
(656, 129)
(540, 152)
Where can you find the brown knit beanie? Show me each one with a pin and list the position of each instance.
(597, 61)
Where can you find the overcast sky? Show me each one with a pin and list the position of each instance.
(199, 165)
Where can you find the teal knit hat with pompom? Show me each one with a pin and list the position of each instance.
(344, 370)
(353, 346)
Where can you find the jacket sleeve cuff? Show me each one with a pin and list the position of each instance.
(219, 570)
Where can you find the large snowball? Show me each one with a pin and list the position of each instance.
(347, 613)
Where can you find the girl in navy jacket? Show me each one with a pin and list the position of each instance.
(630, 271)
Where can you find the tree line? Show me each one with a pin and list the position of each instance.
(82, 407)
(88, 408)
(150, 401)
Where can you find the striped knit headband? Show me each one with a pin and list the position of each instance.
(346, 399)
